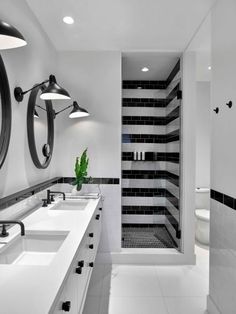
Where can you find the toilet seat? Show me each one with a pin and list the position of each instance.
(203, 214)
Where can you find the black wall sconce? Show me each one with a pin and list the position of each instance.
(52, 92)
(77, 111)
(10, 37)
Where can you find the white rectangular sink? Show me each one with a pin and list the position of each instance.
(72, 204)
(36, 248)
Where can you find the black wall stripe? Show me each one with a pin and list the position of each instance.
(143, 210)
(134, 84)
(151, 138)
(224, 199)
(144, 102)
(23, 194)
(173, 73)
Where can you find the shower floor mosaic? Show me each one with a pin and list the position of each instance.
(147, 237)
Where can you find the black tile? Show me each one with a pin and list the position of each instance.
(173, 73)
(229, 201)
(219, 197)
(134, 84)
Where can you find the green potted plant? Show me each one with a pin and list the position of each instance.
(81, 167)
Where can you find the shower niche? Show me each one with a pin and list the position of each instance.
(151, 134)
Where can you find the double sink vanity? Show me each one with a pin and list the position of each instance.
(46, 268)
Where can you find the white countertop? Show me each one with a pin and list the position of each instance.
(30, 289)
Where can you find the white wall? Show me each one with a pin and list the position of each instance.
(25, 67)
(223, 152)
(203, 117)
(94, 80)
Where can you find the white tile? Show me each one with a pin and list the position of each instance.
(186, 305)
(147, 147)
(143, 165)
(144, 111)
(143, 129)
(146, 201)
(92, 305)
(148, 219)
(133, 305)
(144, 93)
(143, 183)
(130, 281)
(182, 281)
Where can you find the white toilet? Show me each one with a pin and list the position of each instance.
(202, 213)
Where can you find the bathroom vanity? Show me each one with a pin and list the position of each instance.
(48, 270)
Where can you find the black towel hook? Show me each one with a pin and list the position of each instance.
(229, 104)
(216, 110)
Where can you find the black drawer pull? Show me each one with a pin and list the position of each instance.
(97, 217)
(91, 234)
(79, 270)
(91, 246)
(66, 306)
(100, 208)
(81, 263)
(91, 264)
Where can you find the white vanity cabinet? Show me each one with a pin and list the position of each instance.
(71, 299)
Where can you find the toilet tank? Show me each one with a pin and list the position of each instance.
(202, 198)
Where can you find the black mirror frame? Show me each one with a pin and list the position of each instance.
(5, 134)
(30, 127)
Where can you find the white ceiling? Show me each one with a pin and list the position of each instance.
(158, 25)
(160, 65)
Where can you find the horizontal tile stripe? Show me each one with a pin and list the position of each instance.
(151, 120)
(151, 138)
(19, 196)
(224, 199)
(172, 199)
(134, 84)
(174, 223)
(153, 156)
(143, 210)
(173, 73)
(144, 102)
(69, 180)
(143, 192)
(143, 120)
(151, 174)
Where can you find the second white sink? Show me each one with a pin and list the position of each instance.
(72, 204)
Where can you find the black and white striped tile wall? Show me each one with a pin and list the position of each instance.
(151, 124)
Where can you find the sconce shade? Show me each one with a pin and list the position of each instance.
(10, 37)
(78, 112)
(54, 91)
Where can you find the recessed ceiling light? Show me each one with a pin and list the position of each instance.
(209, 68)
(68, 20)
(145, 69)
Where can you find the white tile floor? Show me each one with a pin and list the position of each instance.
(126, 289)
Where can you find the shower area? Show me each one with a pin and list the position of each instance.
(151, 133)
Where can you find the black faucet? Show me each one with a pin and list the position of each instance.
(5, 223)
(49, 193)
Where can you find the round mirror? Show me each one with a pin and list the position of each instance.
(5, 113)
(40, 127)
